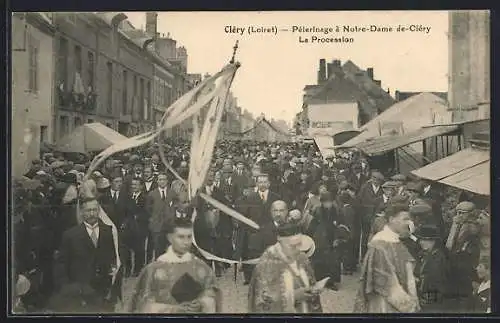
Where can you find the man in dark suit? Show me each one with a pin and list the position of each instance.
(368, 199)
(88, 252)
(135, 228)
(135, 173)
(113, 200)
(258, 210)
(357, 178)
(388, 192)
(160, 205)
(149, 180)
(241, 178)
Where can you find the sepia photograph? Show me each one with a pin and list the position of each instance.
(258, 162)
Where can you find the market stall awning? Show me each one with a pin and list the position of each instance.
(89, 137)
(384, 144)
(453, 164)
(475, 179)
(325, 145)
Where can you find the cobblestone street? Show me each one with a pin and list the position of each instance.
(235, 294)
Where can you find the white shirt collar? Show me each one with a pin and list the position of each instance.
(91, 227)
(171, 257)
(484, 286)
(386, 235)
(427, 189)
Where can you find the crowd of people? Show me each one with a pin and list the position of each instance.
(410, 240)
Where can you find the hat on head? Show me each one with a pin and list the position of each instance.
(288, 230)
(343, 185)
(413, 186)
(399, 178)
(420, 209)
(103, 183)
(389, 184)
(41, 173)
(295, 215)
(378, 175)
(57, 164)
(466, 206)
(97, 174)
(134, 158)
(292, 229)
(399, 199)
(427, 232)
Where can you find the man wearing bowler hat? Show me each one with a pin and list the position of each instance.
(431, 271)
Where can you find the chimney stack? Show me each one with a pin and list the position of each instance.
(369, 71)
(152, 24)
(378, 82)
(336, 63)
(322, 71)
(329, 69)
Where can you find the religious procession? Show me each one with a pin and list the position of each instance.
(291, 224)
(319, 222)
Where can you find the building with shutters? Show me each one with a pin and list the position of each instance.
(32, 86)
(171, 79)
(102, 75)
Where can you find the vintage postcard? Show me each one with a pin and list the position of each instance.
(250, 162)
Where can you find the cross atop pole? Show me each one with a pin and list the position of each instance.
(235, 48)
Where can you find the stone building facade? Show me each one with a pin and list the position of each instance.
(101, 75)
(469, 64)
(32, 86)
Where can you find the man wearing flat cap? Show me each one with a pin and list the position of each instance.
(368, 199)
(400, 179)
(388, 192)
(413, 191)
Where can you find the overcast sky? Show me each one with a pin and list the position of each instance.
(275, 68)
